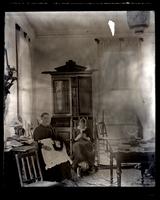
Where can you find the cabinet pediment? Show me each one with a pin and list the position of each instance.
(70, 66)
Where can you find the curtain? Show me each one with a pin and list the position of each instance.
(118, 57)
(24, 89)
(119, 72)
(126, 82)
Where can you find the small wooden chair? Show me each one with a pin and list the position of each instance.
(102, 144)
(29, 170)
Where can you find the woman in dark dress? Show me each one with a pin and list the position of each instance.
(83, 150)
(44, 131)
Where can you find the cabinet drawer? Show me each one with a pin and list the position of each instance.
(64, 133)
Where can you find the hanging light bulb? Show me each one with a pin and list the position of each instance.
(111, 25)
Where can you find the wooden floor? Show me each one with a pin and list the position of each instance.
(130, 178)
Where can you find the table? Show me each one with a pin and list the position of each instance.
(129, 154)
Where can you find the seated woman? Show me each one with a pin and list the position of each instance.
(55, 162)
(83, 151)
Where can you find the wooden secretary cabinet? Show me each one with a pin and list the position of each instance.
(72, 99)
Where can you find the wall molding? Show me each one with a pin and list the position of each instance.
(94, 35)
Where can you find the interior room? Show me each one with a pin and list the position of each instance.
(88, 72)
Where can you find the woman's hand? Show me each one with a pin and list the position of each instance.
(86, 138)
(78, 137)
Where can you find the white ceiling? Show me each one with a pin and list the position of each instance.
(52, 23)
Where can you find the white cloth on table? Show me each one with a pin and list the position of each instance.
(53, 157)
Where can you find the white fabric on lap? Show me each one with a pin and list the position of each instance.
(53, 157)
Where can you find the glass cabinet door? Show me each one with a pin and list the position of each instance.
(85, 95)
(61, 96)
